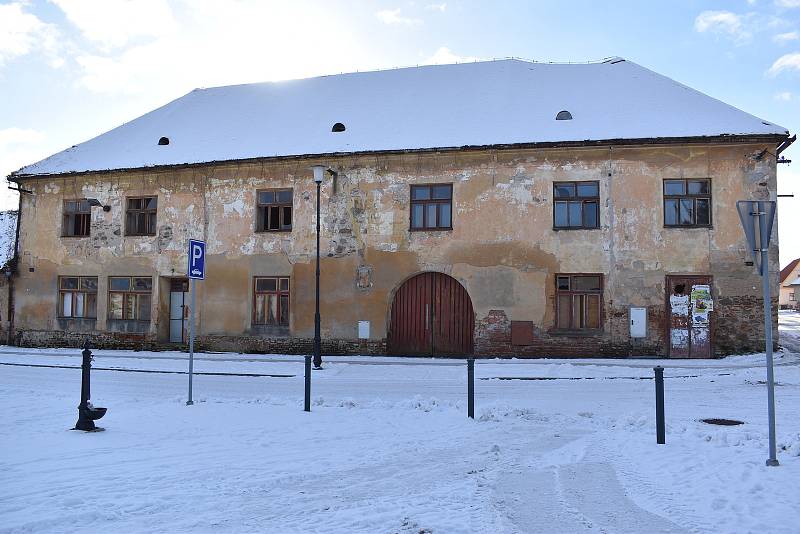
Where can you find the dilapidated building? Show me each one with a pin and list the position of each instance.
(501, 207)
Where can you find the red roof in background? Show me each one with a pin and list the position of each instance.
(786, 271)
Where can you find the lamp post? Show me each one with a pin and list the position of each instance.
(319, 172)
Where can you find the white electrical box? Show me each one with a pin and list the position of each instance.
(363, 329)
(638, 322)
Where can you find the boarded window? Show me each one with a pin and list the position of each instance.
(77, 297)
(579, 300)
(130, 297)
(576, 205)
(687, 202)
(274, 210)
(432, 207)
(140, 216)
(77, 218)
(271, 300)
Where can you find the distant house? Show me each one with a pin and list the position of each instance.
(501, 207)
(789, 285)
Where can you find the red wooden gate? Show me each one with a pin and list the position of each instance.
(431, 314)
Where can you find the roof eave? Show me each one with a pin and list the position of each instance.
(649, 141)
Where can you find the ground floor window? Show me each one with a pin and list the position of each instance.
(129, 297)
(271, 300)
(579, 300)
(791, 296)
(77, 297)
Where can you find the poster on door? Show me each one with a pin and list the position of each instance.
(702, 304)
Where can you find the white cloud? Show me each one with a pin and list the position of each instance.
(788, 3)
(437, 7)
(18, 147)
(22, 33)
(224, 43)
(444, 55)
(785, 62)
(783, 96)
(723, 23)
(393, 16)
(782, 38)
(114, 23)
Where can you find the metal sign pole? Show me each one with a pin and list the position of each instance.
(191, 341)
(763, 227)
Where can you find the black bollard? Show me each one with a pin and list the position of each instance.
(307, 405)
(471, 388)
(660, 434)
(87, 414)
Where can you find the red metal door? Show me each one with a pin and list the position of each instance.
(689, 319)
(431, 314)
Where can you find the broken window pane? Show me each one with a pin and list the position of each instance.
(703, 211)
(674, 187)
(687, 211)
(564, 190)
(670, 212)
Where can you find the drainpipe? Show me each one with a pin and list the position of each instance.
(13, 267)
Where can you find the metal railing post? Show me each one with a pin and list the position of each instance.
(471, 388)
(660, 433)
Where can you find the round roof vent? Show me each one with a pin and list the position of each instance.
(163, 141)
(338, 127)
(564, 115)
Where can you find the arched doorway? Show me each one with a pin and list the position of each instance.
(431, 314)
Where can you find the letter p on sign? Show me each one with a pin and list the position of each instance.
(197, 259)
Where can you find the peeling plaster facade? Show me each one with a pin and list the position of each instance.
(502, 248)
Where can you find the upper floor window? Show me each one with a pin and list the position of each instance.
(576, 205)
(77, 296)
(274, 211)
(687, 203)
(140, 216)
(129, 297)
(77, 217)
(431, 207)
(271, 300)
(578, 301)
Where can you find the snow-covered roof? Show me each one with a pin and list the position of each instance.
(502, 102)
(8, 231)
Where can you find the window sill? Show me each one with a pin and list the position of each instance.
(140, 235)
(449, 229)
(286, 231)
(688, 227)
(560, 228)
(75, 236)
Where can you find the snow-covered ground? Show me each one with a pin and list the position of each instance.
(567, 446)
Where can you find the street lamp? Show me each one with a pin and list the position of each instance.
(319, 174)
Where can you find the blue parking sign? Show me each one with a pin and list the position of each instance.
(197, 259)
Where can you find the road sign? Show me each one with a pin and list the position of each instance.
(750, 212)
(197, 259)
(758, 241)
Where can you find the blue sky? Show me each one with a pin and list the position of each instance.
(71, 69)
